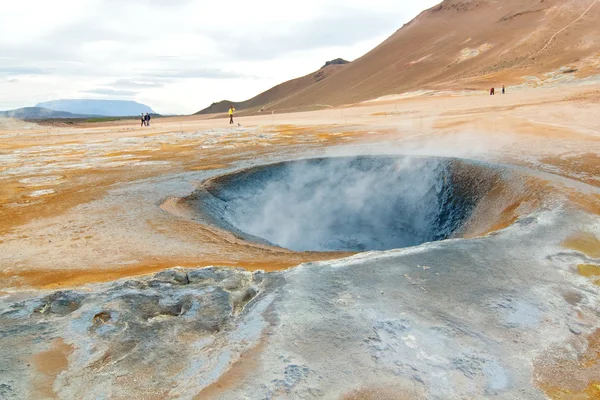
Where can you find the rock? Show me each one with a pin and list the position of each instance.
(258, 277)
(337, 61)
(235, 283)
(204, 275)
(215, 311)
(179, 308)
(101, 318)
(241, 298)
(174, 276)
(139, 306)
(249, 294)
(60, 303)
(210, 274)
(132, 284)
(575, 330)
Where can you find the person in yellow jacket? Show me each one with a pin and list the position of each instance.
(231, 110)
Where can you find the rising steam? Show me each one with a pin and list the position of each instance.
(346, 204)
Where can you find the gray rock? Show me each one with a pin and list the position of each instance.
(258, 277)
(60, 303)
(211, 274)
(234, 283)
(174, 276)
(575, 330)
(243, 297)
(201, 276)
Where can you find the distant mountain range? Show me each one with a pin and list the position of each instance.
(107, 108)
(79, 109)
(40, 113)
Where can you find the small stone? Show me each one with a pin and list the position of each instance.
(101, 318)
(575, 330)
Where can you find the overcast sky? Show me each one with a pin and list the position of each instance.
(178, 56)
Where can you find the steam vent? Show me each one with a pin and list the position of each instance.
(347, 204)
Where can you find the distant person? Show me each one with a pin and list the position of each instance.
(147, 117)
(143, 120)
(503, 89)
(231, 110)
(492, 91)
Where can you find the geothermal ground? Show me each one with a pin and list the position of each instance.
(425, 246)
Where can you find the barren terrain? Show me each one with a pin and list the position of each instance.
(514, 297)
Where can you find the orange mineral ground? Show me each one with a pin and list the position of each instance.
(63, 223)
(91, 204)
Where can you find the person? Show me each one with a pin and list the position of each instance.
(492, 91)
(231, 110)
(503, 89)
(147, 119)
(143, 120)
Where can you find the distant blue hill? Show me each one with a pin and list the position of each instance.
(40, 113)
(108, 108)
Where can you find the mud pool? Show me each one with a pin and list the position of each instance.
(348, 203)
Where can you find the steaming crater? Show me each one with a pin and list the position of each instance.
(348, 203)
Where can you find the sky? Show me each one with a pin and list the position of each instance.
(179, 56)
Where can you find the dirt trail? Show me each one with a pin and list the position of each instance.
(564, 29)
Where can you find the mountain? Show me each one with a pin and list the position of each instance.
(267, 99)
(109, 108)
(337, 61)
(39, 113)
(462, 45)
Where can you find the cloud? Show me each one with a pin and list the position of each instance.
(339, 26)
(181, 53)
(135, 84)
(111, 92)
(160, 3)
(206, 73)
(22, 70)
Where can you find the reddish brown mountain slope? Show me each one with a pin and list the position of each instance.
(465, 44)
(277, 93)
